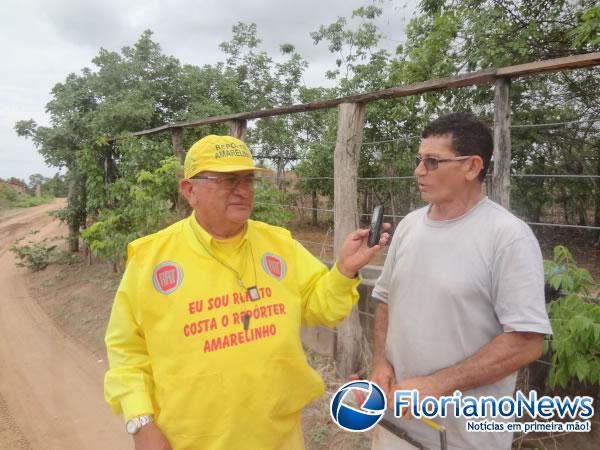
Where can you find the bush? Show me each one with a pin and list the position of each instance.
(8, 196)
(34, 256)
(37, 256)
(27, 201)
(575, 317)
(145, 206)
(576, 341)
(563, 274)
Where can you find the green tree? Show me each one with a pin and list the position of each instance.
(256, 81)
(55, 186)
(136, 89)
(450, 37)
(36, 180)
(146, 205)
(361, 66)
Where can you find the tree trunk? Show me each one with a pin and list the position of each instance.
(109, 175)
(315, 205)
(177, 143)
(391, 193)
(364, 209)
(76, 207)
(73, 238)
(181, 204)
(281, 174)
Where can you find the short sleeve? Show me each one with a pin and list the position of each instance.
(518, 287)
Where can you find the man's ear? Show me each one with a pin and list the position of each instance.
(185, 188)
(474, 168)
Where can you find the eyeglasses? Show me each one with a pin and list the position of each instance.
(432, 163)
(229, 182)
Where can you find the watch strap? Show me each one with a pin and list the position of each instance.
(134, 424)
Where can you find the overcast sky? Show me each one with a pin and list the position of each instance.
(43, 41)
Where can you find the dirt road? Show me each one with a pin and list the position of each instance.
(50, 386)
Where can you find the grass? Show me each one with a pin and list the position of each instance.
(318, 436)
(319, 430)
(28, 202)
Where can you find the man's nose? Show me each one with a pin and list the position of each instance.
(420, 170)
(244, 188)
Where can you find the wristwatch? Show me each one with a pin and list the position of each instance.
(133, 425)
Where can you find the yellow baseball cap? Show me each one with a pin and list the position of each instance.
(218, 154)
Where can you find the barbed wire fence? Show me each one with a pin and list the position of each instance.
(356, 188)
(312, 222)
(404, 196)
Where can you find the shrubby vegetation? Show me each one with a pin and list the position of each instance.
(37, 256)
(16, 193)
(575, 316)
(141, 87)
(120, 188)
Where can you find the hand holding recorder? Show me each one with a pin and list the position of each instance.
(361, 245)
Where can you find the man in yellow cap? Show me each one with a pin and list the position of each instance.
(204, 336)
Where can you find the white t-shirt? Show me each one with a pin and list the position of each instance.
(451, 287)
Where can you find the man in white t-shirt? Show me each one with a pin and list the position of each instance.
(461, 295)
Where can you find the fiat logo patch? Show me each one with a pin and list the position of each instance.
(273, 265)
(167, 277)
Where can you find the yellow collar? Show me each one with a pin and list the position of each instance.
(224, 245)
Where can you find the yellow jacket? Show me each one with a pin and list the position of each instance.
(176, 342)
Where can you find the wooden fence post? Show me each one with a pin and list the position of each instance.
(345, 169)
(183, 209)
(177, 141)
(502, 144)
(237, 128)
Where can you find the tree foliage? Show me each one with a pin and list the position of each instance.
(140, 87)
(575, 318)
(447, 38)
